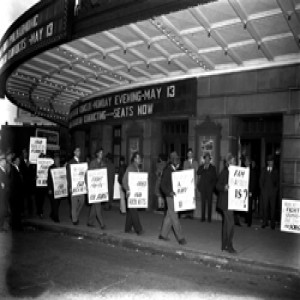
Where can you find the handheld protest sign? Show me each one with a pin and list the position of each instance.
(97, 185)
(42, 168)
(60, 184)
(184, 188)
(78, 172)
(37, 146)
(117, 195)
(138, 186)
(290, 216)
(238, 192)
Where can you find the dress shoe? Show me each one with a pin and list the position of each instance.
(75, 223)
(182, 242)
(103, 227)
(90, 225)
(231, 250)
(160, 237)
(141, 232)
(224, 248)
(264, 225)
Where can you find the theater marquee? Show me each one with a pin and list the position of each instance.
(41, 27)
(166, 99)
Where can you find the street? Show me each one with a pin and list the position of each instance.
(43, 265)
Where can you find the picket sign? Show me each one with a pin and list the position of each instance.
(60, 184)
(97, 185)
(238, 192)
(37, 146)
(290, 216)
(78, 173)
(184, 189)
(138, 186)
(117, 195)
(42, 168)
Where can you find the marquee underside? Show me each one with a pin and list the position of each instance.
(218, 37)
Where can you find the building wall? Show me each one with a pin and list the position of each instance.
(258, 92)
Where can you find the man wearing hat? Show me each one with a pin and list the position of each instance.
(269, 182)
(171, 218)
(206, 185)
(3, 191)
(191, 163)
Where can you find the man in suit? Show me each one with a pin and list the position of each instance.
(222, 187)
(171, 218)
(77, 201)
(269, 182)
(54, 202)
(191, 163)
(206, 185)
(4, 186)
(28, 172)
(16, 194)
(132, 215)
(96, 208)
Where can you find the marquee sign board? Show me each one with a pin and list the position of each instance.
(44, 25)
(174, 98)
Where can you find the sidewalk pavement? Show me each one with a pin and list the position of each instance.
(259, 250)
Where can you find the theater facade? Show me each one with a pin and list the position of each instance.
(157, 76)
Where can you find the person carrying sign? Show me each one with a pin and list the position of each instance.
(228, 218)
(96, 208)
(54, 202)
(171, 218)
(77, 201)
(190, 163)
(132, 216)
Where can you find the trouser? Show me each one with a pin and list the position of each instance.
(28, 202)
(54, 208)
(40, 194)
(171, 221)
(206, 198)
(269, 200)
(3, 211)
(76, 206)
(122, 200)
(95, 213)
(16, 211)
(132, 219)
(249, 213)
(228, 229)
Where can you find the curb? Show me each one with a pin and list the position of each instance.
(233, 263)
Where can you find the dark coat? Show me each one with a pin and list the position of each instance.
(69, 179)
(166, 181)
(222, 202)
(122, 170)
(269, 182)
(4, 183)
(16, 186)
(208, 178)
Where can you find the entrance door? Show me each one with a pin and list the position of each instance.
(259, 138)
(175, 137)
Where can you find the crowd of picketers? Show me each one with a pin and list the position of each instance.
(19, 193)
